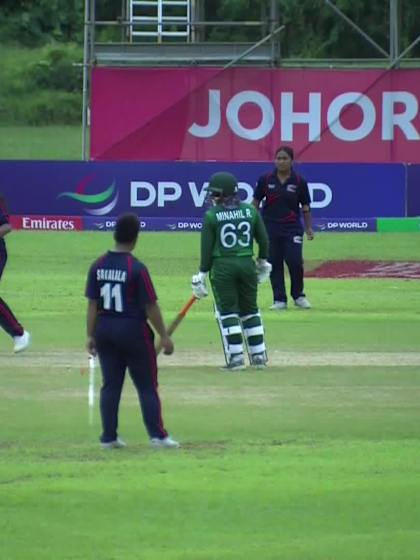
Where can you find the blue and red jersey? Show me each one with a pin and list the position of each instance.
(282, 201)
(121, 285)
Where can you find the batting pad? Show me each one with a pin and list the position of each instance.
(231, 334)
(254, 334)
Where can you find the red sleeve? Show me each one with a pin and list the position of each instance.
(146, 291)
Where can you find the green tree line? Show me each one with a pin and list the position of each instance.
(312, 28)
(42, 43)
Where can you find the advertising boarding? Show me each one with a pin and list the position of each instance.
(245, 114)
(413, 190)
(41, 194)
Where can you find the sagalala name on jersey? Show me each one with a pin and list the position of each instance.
(121, 285)
(111, 275)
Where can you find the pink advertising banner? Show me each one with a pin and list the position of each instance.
(244, 114)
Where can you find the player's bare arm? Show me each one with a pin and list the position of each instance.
(307, 219)
(5, 229)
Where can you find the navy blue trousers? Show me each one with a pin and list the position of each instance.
(8, 320)
(127, 344)
(286, 247)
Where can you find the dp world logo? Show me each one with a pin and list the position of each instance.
(97, 204)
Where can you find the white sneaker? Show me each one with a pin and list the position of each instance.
(22, 342)
(279, 305)
(259, 361)
(166, 442)
(235, 364)
(116, 444)
(302, 302)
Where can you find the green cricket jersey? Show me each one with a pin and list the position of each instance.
(230, 232)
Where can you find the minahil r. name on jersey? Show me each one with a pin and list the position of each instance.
(238, 214)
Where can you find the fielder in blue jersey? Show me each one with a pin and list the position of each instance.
(8, 321)
(284, 194)
(121, 303)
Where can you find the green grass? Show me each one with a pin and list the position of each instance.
(297, 463)
(30, 142)
(13, 60)
(55, 142)
(17, 141)
(347, 315)
(324, 465)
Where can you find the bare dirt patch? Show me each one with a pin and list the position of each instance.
(366, 269)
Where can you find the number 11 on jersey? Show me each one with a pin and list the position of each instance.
(111, 296)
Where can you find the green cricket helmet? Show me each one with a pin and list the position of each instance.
(223, 184)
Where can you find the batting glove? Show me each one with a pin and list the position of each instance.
(198, 285)
(264, 269)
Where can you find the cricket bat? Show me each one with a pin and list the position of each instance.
(178, 319)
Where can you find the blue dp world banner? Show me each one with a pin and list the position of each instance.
(107, 223)
(170, 192)
(413, 190)
(185, 223)
(344, 225)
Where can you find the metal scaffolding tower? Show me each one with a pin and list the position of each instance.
(159, 19)
(173, 33)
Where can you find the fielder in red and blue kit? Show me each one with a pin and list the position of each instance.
(122, 301)
(284, 194)
(8, 320)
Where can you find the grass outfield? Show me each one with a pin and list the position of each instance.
(23, 102)
(54, 142)
(299, 462)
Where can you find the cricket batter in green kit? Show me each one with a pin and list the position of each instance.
(229, 229)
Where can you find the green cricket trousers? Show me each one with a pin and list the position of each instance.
(234, 284)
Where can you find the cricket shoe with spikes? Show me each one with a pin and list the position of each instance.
(302, 302)
(164, 443)
(21, 342)
(279, 306)
(236, 363)
(116, 444)
(259, 361)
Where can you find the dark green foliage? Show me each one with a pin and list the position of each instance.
(60, 68)
(312, 28)
(37, 22)
(317, 31)
(41, 86)
(44, 83)
(410, 28)
(46, 107)
(236, 10)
